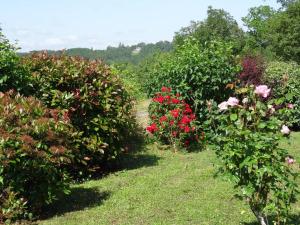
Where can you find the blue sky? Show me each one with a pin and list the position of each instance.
(58, 24)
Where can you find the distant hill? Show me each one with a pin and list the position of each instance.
(122, 54)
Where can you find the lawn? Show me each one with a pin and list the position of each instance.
(158, 186)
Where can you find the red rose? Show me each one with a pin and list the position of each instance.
(175, 113)
(152, 128)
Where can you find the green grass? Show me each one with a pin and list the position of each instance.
(159, 187)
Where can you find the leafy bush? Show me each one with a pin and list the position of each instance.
(172, 120)
(252, 70)
(95, 100)
(197, 72)
(248, 143)
(12, 74)
(36, 145)
(284, 79)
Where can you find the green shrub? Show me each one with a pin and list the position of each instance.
(36, 145)
(12, 73)
(95, 100)
(172, 120)
(197, 72)
(249, 132)
(284, 79)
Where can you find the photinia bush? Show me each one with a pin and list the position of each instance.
(250, 128)
(172, 120)
(36, 149)
(96, 102)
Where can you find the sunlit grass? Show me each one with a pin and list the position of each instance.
(160, 187)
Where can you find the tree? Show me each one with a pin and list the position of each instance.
(286, 33)
(259, 27)
(219, 24)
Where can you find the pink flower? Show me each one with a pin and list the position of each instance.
(290, 106)
(290, 160)
(262, 90)
(232, 101)
(285, 129)
(223, 106)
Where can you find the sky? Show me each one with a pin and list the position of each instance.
(60, 24)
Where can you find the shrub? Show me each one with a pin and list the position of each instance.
(12, 74)
(96, 102)
(284, 79)
(252, 70)
(198, 72)
(172, 120)
(248, 143)
(36, 145)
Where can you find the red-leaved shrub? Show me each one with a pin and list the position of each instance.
(252, 70)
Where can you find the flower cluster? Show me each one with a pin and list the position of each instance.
(262, 91)
(172, 119)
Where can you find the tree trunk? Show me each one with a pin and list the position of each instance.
(262, 219)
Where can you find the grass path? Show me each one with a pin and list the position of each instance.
(159, 187)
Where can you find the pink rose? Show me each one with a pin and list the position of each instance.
(290, 106)
(223, 106)
(262, 90)
(232, 101)
(285, 130)
(290, 160)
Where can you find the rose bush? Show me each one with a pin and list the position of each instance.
(172, 120)
(250, 128)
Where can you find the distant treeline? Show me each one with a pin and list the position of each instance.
(122, 54)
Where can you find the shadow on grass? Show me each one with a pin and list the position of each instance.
(78, 199)
(293, 220)
(135, 155)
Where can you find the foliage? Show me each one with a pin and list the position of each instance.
(219, 25)
(284, 79)
(121, 54)
(197, 72)
(274, 32)
(259, 24)
(95, 100)
(247, 142)
(252, 70)
(172, 120)
(286, 38)
(12, 74)
(36, 146)
(130, 77)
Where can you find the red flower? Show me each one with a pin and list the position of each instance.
(187, 109)
(152, 128)
(175, 101)
(185, 120)
(177, 95)
(159, 99)
(175, 113)
(162, 119)
(171, 122)
(165, 89)
(174, 133)
(187, 129)
(192, 116)
(187, 143)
